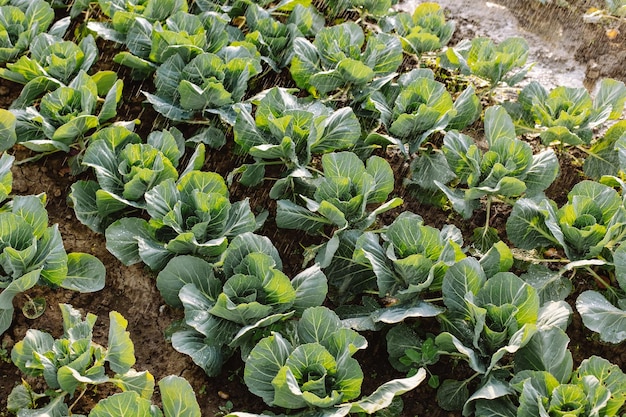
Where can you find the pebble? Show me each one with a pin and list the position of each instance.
(223, 395)
(593, 70)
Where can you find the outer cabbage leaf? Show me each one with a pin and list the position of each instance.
(179, 400)
(7, 130)
(600, 316)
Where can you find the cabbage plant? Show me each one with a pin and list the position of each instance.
(569, 115)
(231, 304)
(289, 130)
(32, 253)
(191, 216)
(151, 42)
(274, 39)
(591, 224)
(365, 8)
(74, 363)
(20, 25)
(596, 388)
(425, 30)
(314, 369)
(343, 199)
(508, 168)
(488, 318)
(62, 119)
(125, 170)
(335, 59)
(413, 256)
(608, 318)
(152, 10)
(415, 107)
(493, 62)
(50, 57)
(207, 83)
(130, 21)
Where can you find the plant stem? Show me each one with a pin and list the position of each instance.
(487, 216)
(531, 259)
(600, 280)
(34, 158)
(82, 393)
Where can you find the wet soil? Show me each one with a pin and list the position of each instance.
(568, 53)
(566, 50)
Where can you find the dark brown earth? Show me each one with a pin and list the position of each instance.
(131, 290)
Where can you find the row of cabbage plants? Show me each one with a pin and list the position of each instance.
(362, 82)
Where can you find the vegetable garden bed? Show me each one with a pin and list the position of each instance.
(306, 209)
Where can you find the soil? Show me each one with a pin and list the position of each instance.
(567, 52)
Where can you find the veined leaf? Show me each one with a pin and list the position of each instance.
(601, 316)
(179, 399)
(498, 125)
(547, 351)
(183, 270)
(463, 277)
(121, 351)
(612, 93)
(17, 286)
(292, 216)
(526, 226)
(85, 273)
(122, 404)
(7, 129)
(382, 397)
(122, 239)
(452, 394)
(209, 357)
(140, 382)
(311, 287)
(6, 176)
(264, 362)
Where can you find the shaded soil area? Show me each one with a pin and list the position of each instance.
(132, 291)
